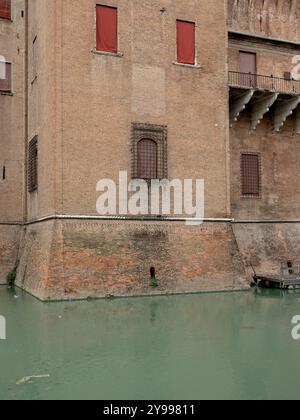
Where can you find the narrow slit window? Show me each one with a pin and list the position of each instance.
(5, 9)
(186, 42)
(251, 175)
(107, 29)
(5, 76)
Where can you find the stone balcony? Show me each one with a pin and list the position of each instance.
(260, 94)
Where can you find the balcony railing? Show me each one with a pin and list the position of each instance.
(259, 82)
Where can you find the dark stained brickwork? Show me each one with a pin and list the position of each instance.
(97, 259)
(9, 249)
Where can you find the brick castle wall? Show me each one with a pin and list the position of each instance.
(74, 259)
(82, 105)
(9, 249)
(274, 18)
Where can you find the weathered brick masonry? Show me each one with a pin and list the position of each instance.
(9, 249)
(12, 145)
(265, 245)
(83, 105)
(76, 259)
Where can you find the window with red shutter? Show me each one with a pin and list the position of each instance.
(5, 9)
(5, 77)
(250, 174)
(186, 42)
(107, 29)
(147, 160)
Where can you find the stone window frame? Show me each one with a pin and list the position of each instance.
(156, 133)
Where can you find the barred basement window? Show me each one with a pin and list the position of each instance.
(251, 175)
(147, 159)
(5, 9)
(33, 165)
(149, 151)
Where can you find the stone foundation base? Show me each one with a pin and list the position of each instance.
(9, 247)
(73, 259)
(266, 245)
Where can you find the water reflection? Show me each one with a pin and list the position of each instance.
(232, 345)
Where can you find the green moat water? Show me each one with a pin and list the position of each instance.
(217, 346)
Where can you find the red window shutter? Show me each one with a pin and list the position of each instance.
(5, 77)
(186, 42)
(5, 9)
(250, 168)
(107, 29)
(147, 160)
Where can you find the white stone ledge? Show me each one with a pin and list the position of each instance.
(190, 66)
(108, 54)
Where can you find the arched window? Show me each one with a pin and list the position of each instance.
(149, 151)
(147, 159)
